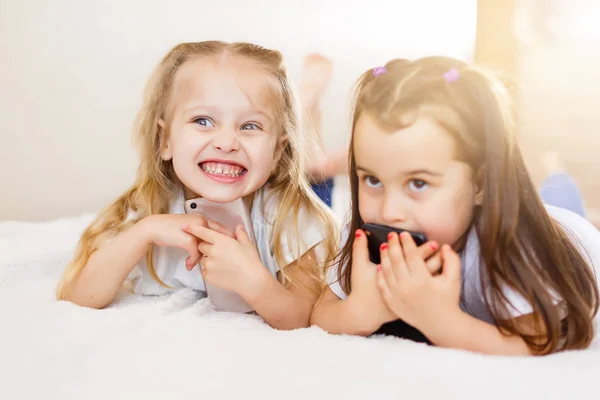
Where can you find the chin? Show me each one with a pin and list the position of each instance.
(220, 196)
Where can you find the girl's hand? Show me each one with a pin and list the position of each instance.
(410, 290)
(231, 263)
(365, 296)
(165, 230)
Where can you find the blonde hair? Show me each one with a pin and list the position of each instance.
(156, 181)
(521, 246)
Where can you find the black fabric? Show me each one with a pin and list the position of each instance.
(402, 330)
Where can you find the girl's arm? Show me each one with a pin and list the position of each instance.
(99, 281)
(343, 316)
(462, 331)
(281, 307)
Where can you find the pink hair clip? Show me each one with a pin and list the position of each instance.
(379, 71)
(451, 75)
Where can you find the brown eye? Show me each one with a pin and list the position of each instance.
(417, 185)
(371, 181)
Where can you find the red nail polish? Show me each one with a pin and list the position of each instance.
(358, 233)
(434, 246)
(390, 235)
(383, 246)
(379, 268)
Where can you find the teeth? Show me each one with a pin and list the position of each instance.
(222, 169)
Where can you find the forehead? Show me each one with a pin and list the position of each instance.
(224, 81)
(422, 145)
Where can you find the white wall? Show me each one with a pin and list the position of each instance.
(72, 73)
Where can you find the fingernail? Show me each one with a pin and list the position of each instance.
(390, 235)
(434, 246)
(383, 246)
(378, 267)
(358, 233)
(404, 235)
(184, 226)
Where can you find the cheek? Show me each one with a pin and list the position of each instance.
(259, 147)
(446, 218)
(187, 142)
(261, 152)
(368, 207)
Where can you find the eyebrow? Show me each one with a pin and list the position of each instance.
(363, 169)
(409, 172)
(210, 109)
(195, 106)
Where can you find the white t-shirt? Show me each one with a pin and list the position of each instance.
(169, 262)
(583, 234)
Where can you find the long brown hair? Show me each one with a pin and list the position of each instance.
(156, 180)
(521, 245)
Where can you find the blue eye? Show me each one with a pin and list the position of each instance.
(418, 185)
(371, 181)
(203, 121)
(250, 126)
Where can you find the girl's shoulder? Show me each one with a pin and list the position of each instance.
(267, 203)
(581, 232)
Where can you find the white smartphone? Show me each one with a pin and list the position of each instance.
(229, 215)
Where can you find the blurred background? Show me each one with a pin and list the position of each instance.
(72, 74)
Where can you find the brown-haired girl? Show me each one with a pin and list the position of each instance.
(434, 151)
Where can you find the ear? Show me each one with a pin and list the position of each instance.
(479, 187)
(479, 197)
(282, 141)
(166, 152)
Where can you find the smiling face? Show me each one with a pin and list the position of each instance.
(222, 137)
(410, 179)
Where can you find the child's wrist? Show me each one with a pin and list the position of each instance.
(145, 229)
(256, 285)
(443, 326)
(363, 319)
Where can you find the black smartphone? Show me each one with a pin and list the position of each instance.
(377, 235)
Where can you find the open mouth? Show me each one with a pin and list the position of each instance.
(230, 170)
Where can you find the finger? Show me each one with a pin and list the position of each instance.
(194, 254)
(383, 287)
(202, 233)
(426, 250)
(396, 257)
(414, 262)
(215, 226)
(387, 267)
(204, 269)
(191, 261)
(242, 236)
(434, 263)
(360, 251)
(204, 249)
(451, 261)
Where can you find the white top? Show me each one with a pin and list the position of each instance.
(583, 234)
(169, 262)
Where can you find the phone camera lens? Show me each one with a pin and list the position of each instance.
(193, 206)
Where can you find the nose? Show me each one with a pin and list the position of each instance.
(226, 141)
(394, 209)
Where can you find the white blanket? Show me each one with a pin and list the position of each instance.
(178, 347)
